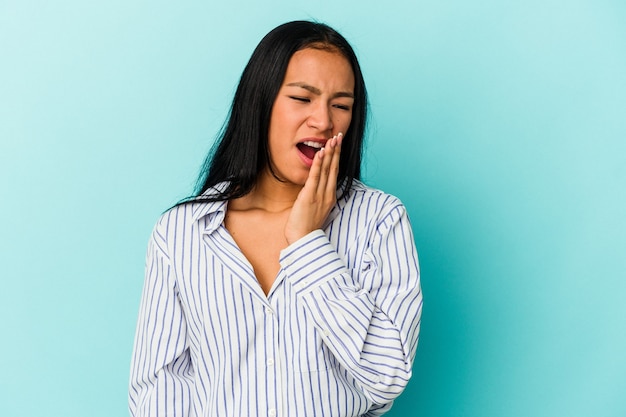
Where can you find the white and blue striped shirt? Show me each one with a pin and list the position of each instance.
(335, 336)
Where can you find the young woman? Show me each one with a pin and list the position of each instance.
(285, 287)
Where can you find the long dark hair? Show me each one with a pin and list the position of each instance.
(241, 152)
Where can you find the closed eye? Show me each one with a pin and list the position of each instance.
(342, 107)
(301, 99)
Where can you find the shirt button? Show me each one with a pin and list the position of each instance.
(270, 362)
(376, 379)
(269, 311)
(272, 412)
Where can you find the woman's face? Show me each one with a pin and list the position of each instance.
(313, 104)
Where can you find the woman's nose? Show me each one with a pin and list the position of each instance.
(321, 118)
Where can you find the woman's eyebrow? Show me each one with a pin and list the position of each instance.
(317, 91)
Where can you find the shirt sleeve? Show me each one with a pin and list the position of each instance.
(369, 316)
(161, 373)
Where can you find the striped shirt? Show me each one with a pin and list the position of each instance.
(335, 336)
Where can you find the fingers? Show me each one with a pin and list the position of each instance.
(334, 166)
(311, 185)
(327, 156)
(329, 169)
(318, 195)
(321, 184)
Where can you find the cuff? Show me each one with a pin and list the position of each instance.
(311, 261)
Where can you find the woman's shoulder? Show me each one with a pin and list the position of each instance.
(368, 203)
(361, 193)
(199, 211)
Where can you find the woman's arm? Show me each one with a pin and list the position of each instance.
(161, 374)
(370, 321)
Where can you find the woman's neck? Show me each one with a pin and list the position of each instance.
(268, 194)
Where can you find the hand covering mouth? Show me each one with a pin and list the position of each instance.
(309, 148)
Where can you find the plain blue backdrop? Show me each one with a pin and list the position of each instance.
(500, 124)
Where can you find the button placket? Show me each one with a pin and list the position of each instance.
(271, 350)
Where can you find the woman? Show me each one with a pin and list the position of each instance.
(285, 286)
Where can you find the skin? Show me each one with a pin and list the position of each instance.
(314, 103)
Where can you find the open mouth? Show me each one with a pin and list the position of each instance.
(309, 148)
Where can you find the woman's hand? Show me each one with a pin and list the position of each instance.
(319, 194)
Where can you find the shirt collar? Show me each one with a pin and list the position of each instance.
(357, 186)
(211, 213)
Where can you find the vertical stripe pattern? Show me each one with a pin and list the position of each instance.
(336, 335)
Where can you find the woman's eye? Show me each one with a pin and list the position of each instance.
(342, 107)
(301, 99)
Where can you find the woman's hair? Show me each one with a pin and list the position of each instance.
(241, 151)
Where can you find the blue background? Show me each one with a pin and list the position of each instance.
(500, 124)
